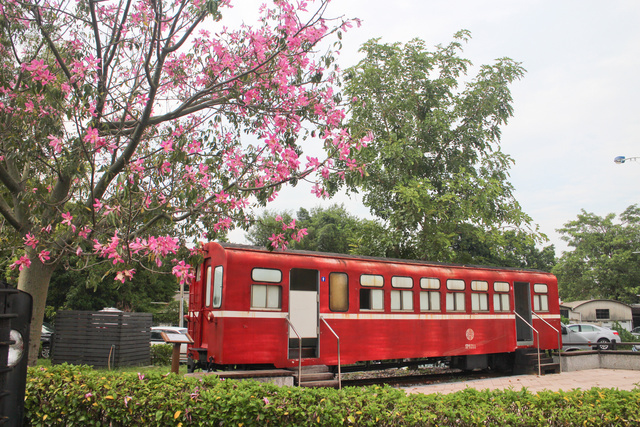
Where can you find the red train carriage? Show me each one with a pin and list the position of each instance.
(252, 307)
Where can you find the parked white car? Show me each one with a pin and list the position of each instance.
(597, 336)
(156, 338)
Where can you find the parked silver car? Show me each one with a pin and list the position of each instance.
(599, 337)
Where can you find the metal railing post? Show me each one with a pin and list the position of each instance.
(299, 349)
(557, 332)
(537, 340)
(337, 338)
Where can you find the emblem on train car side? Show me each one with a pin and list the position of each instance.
(470, 334)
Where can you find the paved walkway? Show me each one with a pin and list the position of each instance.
(603, 378)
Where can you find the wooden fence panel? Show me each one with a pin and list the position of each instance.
(102, 339)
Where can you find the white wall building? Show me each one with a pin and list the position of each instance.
(598, 311)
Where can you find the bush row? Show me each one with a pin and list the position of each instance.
(161, 354)
(71, 395)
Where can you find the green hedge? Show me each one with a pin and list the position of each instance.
(70, 395)
(161, 354)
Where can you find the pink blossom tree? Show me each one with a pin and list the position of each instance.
(131, 128)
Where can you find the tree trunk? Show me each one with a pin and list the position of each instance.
(35, 281)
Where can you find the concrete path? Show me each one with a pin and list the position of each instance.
(603, 378)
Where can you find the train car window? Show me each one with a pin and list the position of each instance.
(207, 286)
(501, 302)
(401, 282)
(455, 285)
(479, 302)
(430, 283)
(501, 297)
(540, 288)
(479, 285)
(501, 287)
(402, 300)
(371, 299)
(198, 273)
(540, 297)
(373, 280)
(269, 275)
(479, 299)
(430, 301)
(455, 301)
(338, 292)
(266, 297)
(217, 287)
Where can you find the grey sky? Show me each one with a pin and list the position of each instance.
(575, 110)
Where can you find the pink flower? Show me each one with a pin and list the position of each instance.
(299, 235)
(265, 400)
(44, 256)
(84, 232)
(67, 217)
(291, 225)
(167, 145)
(30, 240)
(93, 138)
(221, 197)
(55, 143)
(124, 275)
(183, 272)
(22, 263)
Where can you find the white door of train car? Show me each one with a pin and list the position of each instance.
(303, 312)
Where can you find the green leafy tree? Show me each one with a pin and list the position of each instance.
(333, 229)
(72, 289)
(434, 166)
(327, 229)
(604, 259)
(509, 248)
(124, 127)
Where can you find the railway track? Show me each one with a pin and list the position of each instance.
(418, 379)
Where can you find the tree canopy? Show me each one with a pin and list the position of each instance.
(331, 229)
(334, 229)
(604, 262)
(147, 291)
(434, 166)
(123, 127)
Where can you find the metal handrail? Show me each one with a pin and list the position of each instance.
(299, 350)
(557, 332)
(537, 340)
(337, 338)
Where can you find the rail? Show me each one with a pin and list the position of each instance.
(299, 349)
(537, 340)
(557, 332)
(338, 339)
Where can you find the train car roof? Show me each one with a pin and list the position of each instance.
(227, 245)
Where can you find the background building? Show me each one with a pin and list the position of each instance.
(598, 311)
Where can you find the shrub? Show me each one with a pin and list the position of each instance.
(72, 395)
(161, 354)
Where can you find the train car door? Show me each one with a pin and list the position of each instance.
(522, 305)
(195, 307)
(303, 312)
